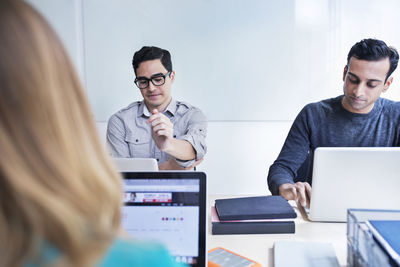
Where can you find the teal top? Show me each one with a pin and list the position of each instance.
(127, 253)
(122, 253)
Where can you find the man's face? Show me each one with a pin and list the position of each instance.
(364, 81)
(155, 97)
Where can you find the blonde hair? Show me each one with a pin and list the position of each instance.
(58, 188)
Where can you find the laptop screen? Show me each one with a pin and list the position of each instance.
(167, 207)
(356, 178)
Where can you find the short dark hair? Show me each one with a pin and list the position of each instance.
(150, 53)
(373, 50)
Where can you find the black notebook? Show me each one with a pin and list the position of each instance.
(265, 226)
(254, 208)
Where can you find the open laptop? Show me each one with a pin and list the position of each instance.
(136, 164)
(354, 177)
(170, 208)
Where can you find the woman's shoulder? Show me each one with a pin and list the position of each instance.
(125, 252)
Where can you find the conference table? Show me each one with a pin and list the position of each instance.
(259, 247)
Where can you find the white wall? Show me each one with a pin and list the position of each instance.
(239, 155)
(250, 65)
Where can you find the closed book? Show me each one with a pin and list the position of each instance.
(253, 208)
(387, 234)
(266, 226)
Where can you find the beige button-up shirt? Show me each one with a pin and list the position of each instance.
(129, 136)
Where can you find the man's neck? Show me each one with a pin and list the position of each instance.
(348, 107)
(161, 108)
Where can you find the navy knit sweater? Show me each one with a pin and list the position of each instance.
(328, 124)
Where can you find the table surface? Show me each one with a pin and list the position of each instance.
(259, 247)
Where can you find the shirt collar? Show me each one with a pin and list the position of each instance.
(144, 111)
(172, 107)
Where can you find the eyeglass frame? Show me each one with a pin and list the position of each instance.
(148, 80)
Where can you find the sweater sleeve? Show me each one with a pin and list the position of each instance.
(294, 152)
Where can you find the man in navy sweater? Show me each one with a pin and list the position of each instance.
(358, 118)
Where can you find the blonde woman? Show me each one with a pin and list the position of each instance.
(60, 197)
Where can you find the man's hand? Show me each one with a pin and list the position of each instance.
(162, 130)
(300, 192)
(171, 164)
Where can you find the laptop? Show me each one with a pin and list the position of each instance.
(136, 164)
(354, 177)
(170, 208)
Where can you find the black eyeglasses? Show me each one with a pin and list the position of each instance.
(157, 80)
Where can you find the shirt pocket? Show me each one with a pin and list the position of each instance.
(179, 130)
(139, 145)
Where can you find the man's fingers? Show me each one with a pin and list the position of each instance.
(161, 127)
(162, 132)
(289, 192)
(308, 193)
(301, 193)
(155, 116)
(160, 120)
(154, 119)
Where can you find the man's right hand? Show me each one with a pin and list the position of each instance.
(299, 192)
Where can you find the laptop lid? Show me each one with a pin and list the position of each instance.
(136, 164)
(170, 208)
(354, 177)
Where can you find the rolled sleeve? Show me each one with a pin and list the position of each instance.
(196, 134)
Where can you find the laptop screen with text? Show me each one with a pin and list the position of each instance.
(167, 207)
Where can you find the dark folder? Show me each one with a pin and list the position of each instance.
(278, 226)
(232, 228)
(254, 208)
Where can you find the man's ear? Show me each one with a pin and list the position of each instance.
(387, 84)
(172, 75)
(344, 72)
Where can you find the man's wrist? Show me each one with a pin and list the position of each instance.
(169, 146)
(283, 186)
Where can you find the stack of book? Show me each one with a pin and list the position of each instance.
(252, 215)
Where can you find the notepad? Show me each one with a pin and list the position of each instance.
(304, 254)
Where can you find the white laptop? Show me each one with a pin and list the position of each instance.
(136, 164)
(170, 208)
(354, 177)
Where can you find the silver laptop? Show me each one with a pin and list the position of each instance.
(170, 208)
(354, 177)
(136, 164)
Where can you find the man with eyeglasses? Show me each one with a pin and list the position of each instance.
(173, 132)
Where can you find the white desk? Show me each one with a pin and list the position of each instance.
(260, 247)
